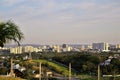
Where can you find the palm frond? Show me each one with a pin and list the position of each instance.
(10, 32)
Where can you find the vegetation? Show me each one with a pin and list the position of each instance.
(53, 66)
(9, 32)
(83, 63)
(9, 78)
(113, 68)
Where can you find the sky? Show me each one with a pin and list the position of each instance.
(64, 21)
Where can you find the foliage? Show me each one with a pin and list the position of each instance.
(4, 71)
(80, 62)
(8, 32)
(84, 64)
(53, 66)
(113, 68)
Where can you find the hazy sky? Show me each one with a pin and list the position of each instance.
(64, 21)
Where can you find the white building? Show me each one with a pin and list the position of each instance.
(32, 49)
(89, 47)
(28, 49)
(3, 48)
(118, 46)
(16, 50)
(57, 48)
(67, 48)
(100, 46)
(82, 47)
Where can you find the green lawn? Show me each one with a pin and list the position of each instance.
(56, 67)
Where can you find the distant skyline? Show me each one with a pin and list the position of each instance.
(64, 21)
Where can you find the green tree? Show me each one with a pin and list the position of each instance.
(3, 71)
(9, 31)
(116, 66)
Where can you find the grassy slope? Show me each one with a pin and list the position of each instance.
(55, 66)
(9, 78)
(61, 68)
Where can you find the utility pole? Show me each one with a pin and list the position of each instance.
(40, 71)
(98, 72)
(114, 76)
(30, 56)
(69, 71)
(11, 70)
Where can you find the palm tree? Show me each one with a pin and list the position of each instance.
(9, 32)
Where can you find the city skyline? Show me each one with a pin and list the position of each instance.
(64, 21)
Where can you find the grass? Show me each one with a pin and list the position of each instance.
(9, 78)
(65, 71)
(56, 67)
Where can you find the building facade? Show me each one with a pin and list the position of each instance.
(118, 46)
(100, 46)
(16, 50)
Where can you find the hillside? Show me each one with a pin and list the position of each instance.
(55, 67)
(9, 78)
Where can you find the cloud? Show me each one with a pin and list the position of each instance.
(10, 2)
(53, 12)
(63, 18)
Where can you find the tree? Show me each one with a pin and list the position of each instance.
(9, 31)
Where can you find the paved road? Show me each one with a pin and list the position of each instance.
(66, 78)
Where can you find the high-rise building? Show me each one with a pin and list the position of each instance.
(16, 50)
(100, 46)
(118, 46)
(28, 49)
(31, 49)
(69, 48)
(64, 45)
(57, 48)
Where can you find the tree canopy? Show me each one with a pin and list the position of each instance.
(9, 31)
